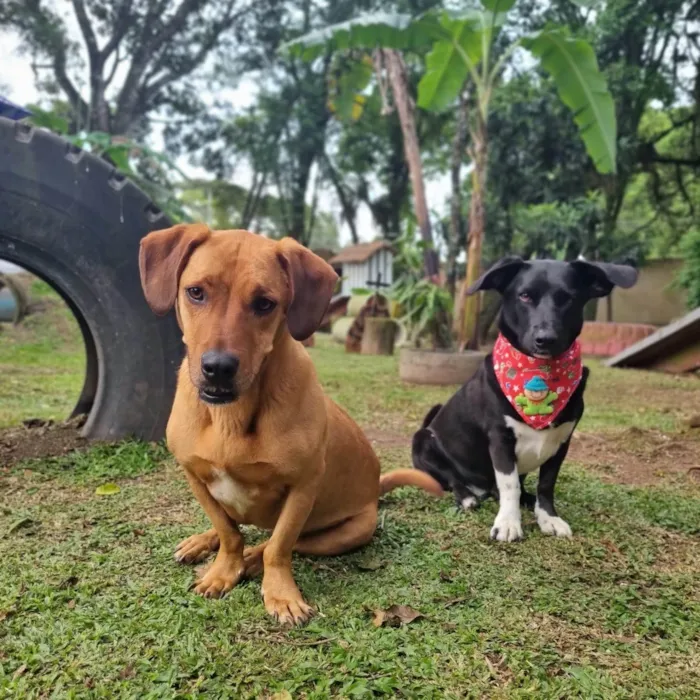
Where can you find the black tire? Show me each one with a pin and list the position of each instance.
(73, 220)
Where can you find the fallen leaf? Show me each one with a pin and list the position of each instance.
(127, 672)
(444, 576)
(19, 672)
(611, 546)
(71, 604)
(396, 616)
(107, 490)
(370, 564)
(139, 533)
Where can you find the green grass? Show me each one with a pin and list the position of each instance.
(93, 605)
(42, 362)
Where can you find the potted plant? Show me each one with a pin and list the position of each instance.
(428, 355)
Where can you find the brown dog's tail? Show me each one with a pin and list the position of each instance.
(409, 477)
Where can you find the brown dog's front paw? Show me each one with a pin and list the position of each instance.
(197, 547)
(219, 578)
(288, 611)
(284, 602)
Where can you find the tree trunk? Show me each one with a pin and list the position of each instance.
(378, 337)
(458, 145)
(404, 106)
(469, 332)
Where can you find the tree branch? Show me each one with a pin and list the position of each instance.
(677, 125)
(121, 26)
(88, 33)
(688, 162)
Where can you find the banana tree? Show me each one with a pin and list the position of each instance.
(460, 52)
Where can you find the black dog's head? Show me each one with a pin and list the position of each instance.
(543, 300)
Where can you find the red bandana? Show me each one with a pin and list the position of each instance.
(537, 388)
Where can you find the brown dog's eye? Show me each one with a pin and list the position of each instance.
(525, 298)
(196, 294)
(263, 305)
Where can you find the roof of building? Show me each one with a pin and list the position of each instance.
(359, 253)
(325, 253)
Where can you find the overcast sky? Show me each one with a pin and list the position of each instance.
(17, 80)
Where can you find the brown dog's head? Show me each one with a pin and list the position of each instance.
(234, 293)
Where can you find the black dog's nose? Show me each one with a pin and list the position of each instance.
(219, 367)
(544, 340)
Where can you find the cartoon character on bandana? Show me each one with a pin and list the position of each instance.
(536, 398)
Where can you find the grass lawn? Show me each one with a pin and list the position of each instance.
(93, 605)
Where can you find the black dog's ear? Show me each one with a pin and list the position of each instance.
(598, 279)
(499, 275)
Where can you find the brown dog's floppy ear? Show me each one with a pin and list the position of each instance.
(311, 284)
(499, 275)
(598, 279)
(162, 258)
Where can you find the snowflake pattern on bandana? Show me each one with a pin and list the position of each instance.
(538, 389)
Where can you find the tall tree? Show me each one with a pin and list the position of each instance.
(139, 53)
(650, 54)
(462, 50)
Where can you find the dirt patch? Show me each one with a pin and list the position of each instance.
(633, 456)
(640, 457)
(37, 439)
(386, 439)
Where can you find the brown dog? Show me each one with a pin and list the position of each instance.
(259, 441)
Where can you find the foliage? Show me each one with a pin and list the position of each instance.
(461, 42)
(149, 169)
(426, 307)
(558, 230)
(139, 55)
(226, 205)
(689, 277)
(462, 54)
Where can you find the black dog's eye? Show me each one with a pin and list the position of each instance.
(196, 294)
(525, 298)
(263, 305)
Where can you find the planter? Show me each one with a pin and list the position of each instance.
(602, 339)
(439, 367)
(340, 328)
(14, 300)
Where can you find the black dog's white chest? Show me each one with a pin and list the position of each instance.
(534, 447)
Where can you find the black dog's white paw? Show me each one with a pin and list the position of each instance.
(507, 528)
(552, 524)
(469, 503)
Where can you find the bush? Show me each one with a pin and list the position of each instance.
(426, 307)
(689, 277)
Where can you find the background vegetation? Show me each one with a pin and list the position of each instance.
(204, 83)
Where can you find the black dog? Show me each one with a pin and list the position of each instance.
(483, 442)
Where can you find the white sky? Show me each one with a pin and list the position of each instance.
(17, 78)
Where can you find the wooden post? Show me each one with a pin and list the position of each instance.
(379, 336)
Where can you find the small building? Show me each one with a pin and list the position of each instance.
(363, 263)
(655, 299)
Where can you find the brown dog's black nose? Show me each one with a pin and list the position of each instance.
(219, 368)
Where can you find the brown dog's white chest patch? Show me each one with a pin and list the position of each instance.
(229, 492)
